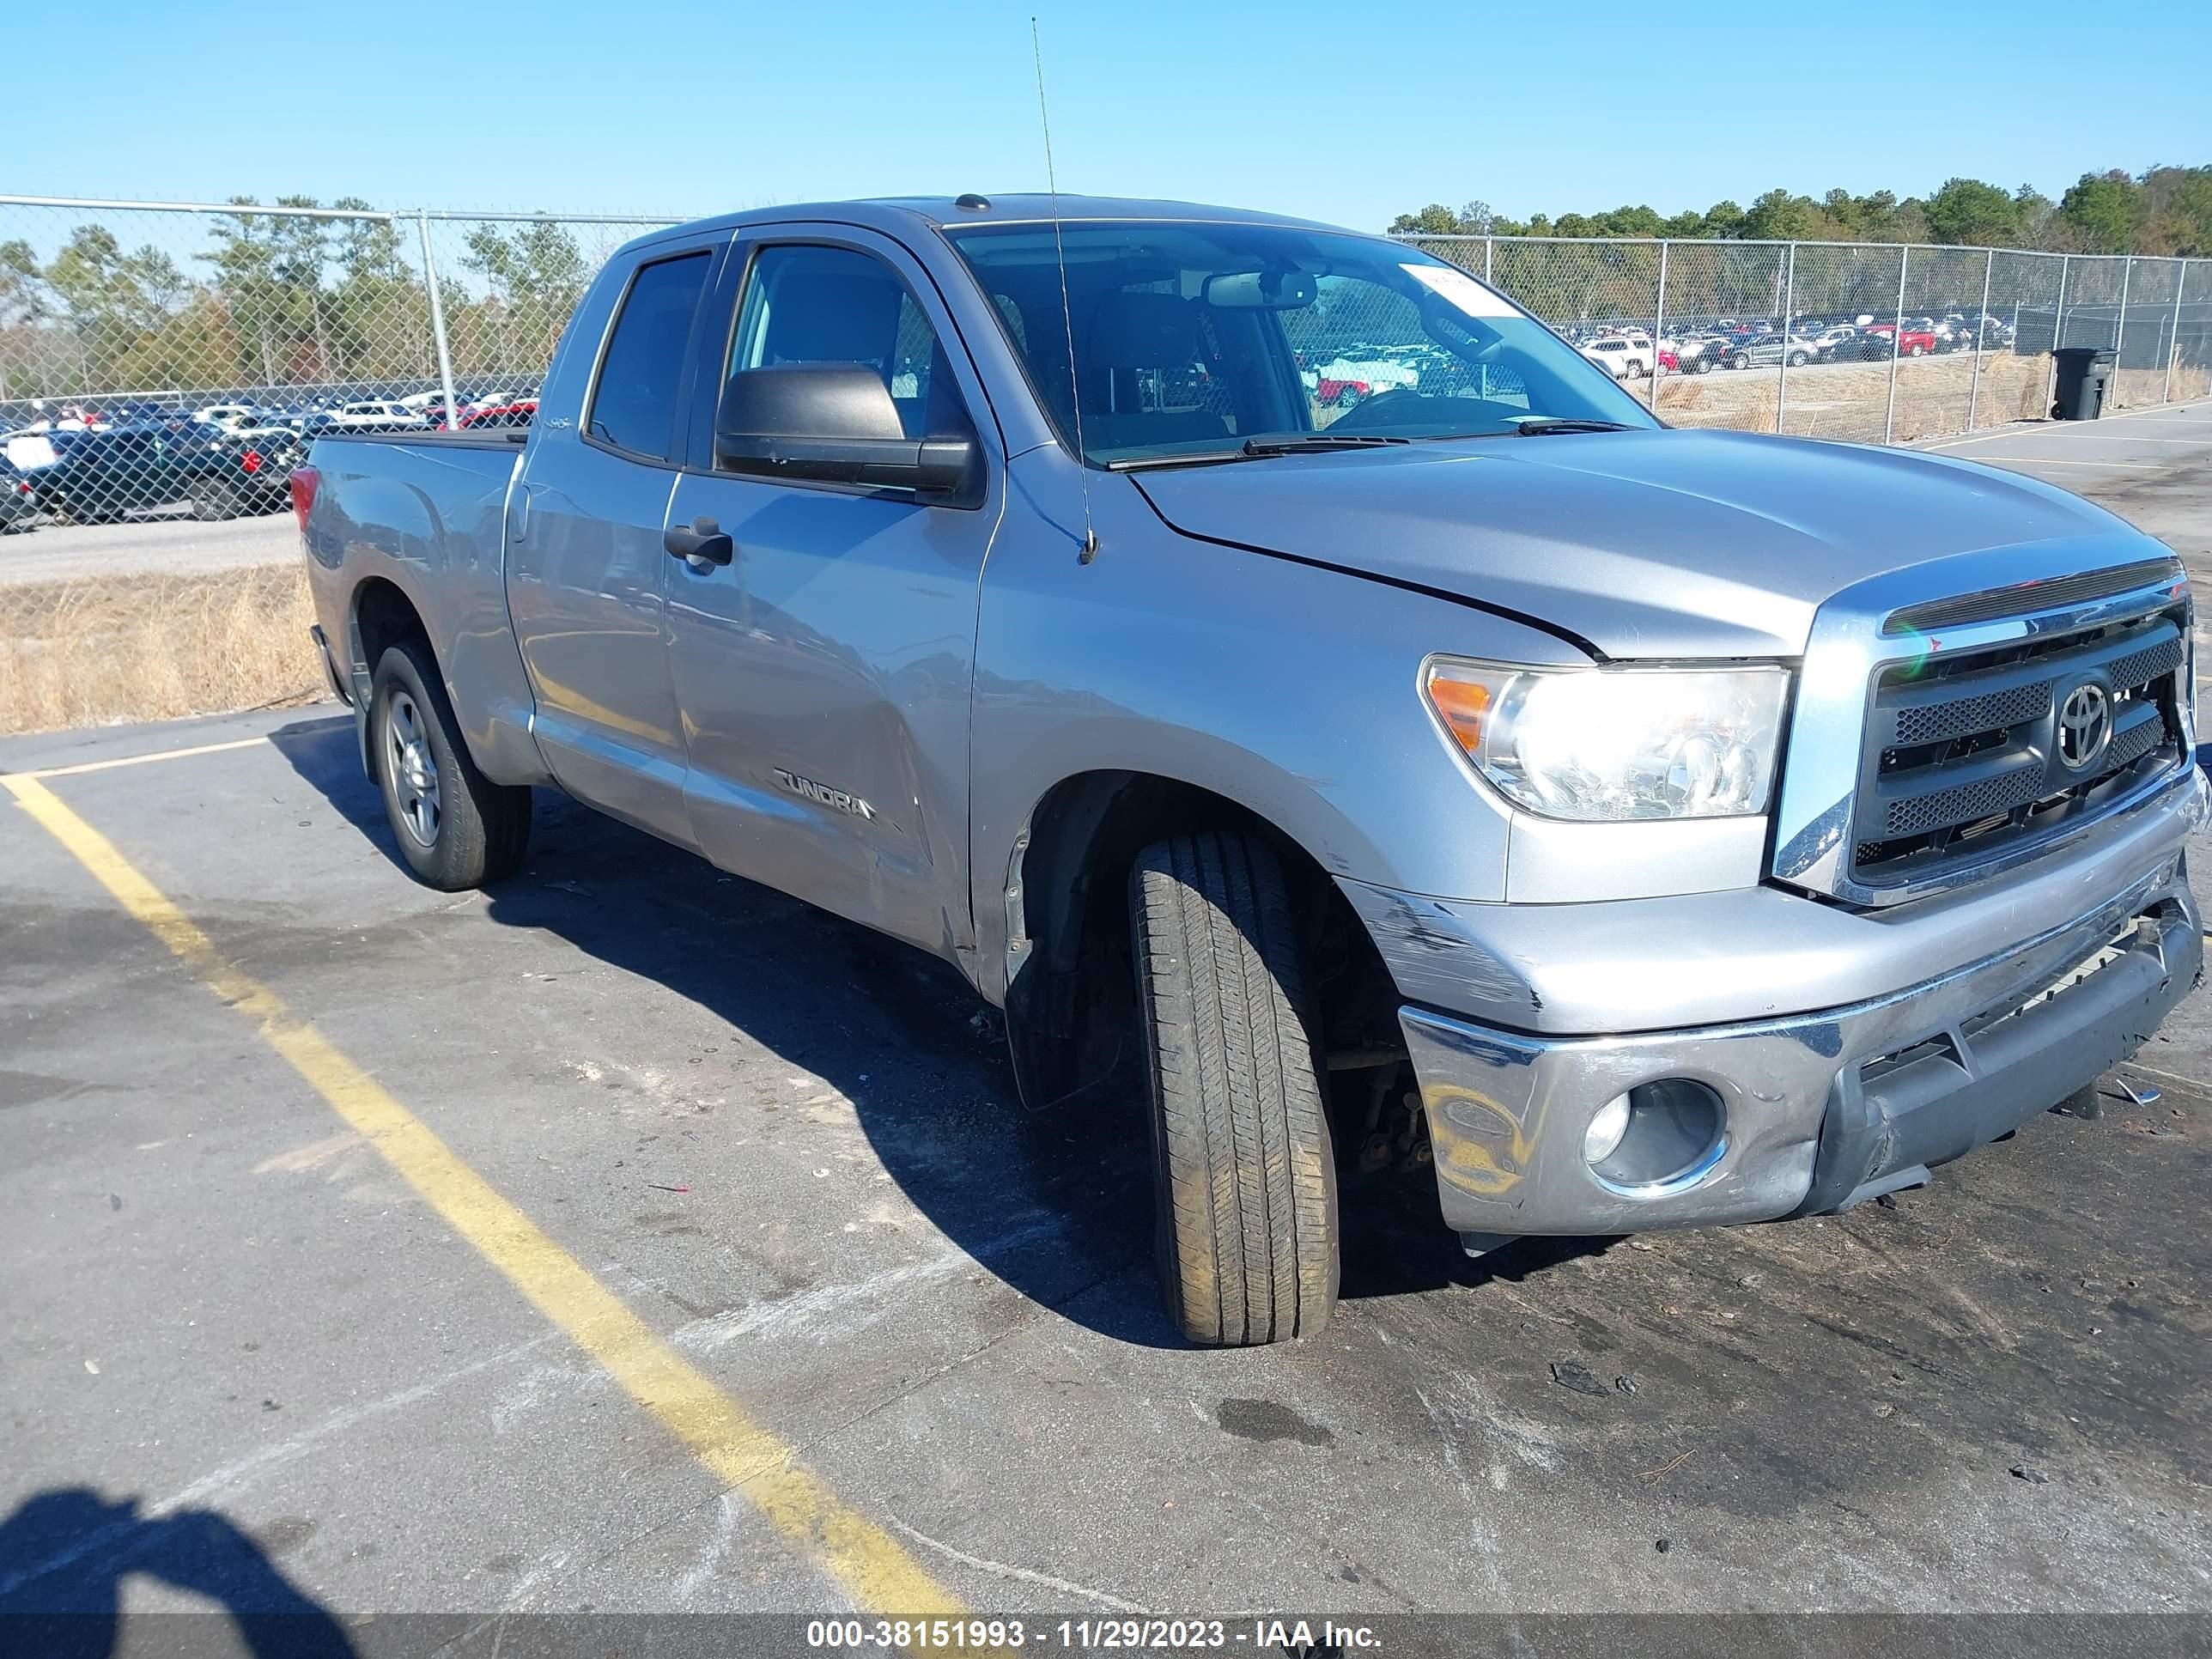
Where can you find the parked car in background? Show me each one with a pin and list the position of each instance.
(1623, 356)
(219, 472)
(501, 414)
(1700, 354)
(1764, 350)
(1830, 344)
(385, 417)
(223, 414)
(17, 507)
(1913, 343)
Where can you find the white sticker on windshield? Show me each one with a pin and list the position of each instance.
(1461, 290)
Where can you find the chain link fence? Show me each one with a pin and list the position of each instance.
(174, 360)
(1877, 343)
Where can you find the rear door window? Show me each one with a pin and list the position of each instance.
(634, 403)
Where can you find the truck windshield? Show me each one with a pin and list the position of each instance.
(1197, 339)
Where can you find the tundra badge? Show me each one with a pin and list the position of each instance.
(824, 794)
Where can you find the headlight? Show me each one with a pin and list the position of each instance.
(1607, 743)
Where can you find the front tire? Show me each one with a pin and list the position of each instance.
(1244, 1176)
(455, 827)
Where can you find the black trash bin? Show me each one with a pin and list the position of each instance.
(2082, 372)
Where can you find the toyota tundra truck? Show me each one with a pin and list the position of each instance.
(1640, 827)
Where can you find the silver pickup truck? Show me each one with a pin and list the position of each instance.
(1645, 827)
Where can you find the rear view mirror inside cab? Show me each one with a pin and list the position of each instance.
(1259, 290)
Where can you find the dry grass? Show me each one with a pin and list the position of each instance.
(156, 648)
(1933, 396)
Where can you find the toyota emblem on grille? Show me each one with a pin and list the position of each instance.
(2084, 725)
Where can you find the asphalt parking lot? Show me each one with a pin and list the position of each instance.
(634, 1238)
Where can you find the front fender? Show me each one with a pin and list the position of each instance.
(1291, 689)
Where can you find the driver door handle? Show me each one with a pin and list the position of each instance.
(703, 542)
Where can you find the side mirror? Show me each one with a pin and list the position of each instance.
(833, 423)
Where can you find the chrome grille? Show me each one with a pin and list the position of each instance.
(1962, 755)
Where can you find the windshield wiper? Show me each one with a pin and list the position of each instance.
(1540, 425)
(1306, 441)
(1257, 449)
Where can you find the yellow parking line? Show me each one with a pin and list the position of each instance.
(875, 1570)
(83, 767)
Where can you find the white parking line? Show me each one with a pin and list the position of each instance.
(2050, 461)
(140, 760)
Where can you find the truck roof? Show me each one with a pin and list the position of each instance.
(902, 212)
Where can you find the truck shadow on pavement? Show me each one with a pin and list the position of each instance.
(65, 1551)
(1057, 1204)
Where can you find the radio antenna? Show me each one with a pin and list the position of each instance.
(1067, 310)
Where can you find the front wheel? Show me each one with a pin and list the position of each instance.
(1244, 1176)
(455, 827)
(1798, 360)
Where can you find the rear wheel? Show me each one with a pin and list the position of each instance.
(455, 827)
(214, 499)
(1244, 1178)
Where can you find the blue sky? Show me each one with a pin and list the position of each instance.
(1341, 111)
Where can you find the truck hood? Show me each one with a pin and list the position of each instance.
(1663, 544)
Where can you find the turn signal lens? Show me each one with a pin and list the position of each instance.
(1463, 703)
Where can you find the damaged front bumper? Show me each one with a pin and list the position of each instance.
(1816, 1111)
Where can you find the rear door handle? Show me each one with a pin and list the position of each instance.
(704, 542)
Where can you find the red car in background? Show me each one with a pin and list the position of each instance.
(1915, 342)
(515, 414)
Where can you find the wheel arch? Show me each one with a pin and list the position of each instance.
(380, 613)
(1069, 988)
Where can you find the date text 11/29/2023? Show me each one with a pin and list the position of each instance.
(1089, 1635)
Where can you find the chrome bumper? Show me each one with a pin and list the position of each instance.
(1821, 1109)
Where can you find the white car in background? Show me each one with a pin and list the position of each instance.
(229, 415)
(1827, 340)
(376, 412)
(1623, 356)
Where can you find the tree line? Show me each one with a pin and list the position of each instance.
(276, 300)
(2161, 210)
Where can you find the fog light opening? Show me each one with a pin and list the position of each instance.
(1659, 1134)
(1603, 1137)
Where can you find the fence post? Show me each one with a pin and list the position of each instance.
(1896, 345)
(1659, 323)
(1489, 252)
(1981, 317)
(1782, 368)
(2120, 328)
(2058, 330)
(437, 318)
(2173, 344)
